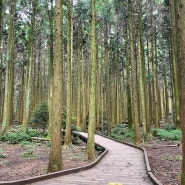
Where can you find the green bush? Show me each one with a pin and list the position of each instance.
(167, 134)
(40, 116)
(17, 137)
(122, 133)
(170, 127)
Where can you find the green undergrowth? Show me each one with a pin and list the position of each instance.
(168, 133)
(17, 136)
(122, 133)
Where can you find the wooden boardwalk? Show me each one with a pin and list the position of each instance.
(122, 164)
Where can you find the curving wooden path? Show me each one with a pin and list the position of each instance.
(122, 164)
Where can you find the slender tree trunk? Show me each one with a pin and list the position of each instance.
(128, 85)
(1, 81)
(67, 140)
(79, 77)
(107, 78)
(174, 63)
(55, 158)
(134, 78)
(29, 70)
(90, 147)
(9, 76)
(84, 106)
(50, 72)
(181, 65)
(141, 73)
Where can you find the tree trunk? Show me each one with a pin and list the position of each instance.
(90, 147)
(141, 73)
(50, 72)
(9, 76)
(67, 140)
(107, 78)
(134, 78)
(174, 63)
(1, 81)
(55, 158)
(181, 65)
(29, 70)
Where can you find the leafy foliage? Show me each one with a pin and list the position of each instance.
(167, 134)
(40, 116)
(19, 137)
(123, 133)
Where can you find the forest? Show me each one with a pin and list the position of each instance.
(92, 65)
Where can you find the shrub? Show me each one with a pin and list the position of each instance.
(17, 137)
(122, 133)
(165, 134)
(40, 116)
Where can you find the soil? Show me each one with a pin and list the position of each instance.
(165, 158)
(24, 161)
(21, 162)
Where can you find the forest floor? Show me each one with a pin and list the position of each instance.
(23, 161)
(165, 158)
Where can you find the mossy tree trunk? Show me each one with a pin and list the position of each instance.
(1, 81)
(50, 71)
(55, 158)
(90, 147)
(67, 140)
(128, 84)
(181, 65)
(107, 78)
(141, 72)
(29, 70)
(79, 75)
(174, 63)
(9, 73)
(154, 72)
(135, 108)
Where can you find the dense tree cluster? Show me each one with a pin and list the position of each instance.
(112, 61)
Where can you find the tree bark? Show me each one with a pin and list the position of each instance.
(29, 70)
(135, 109)
(67, 140)
(90, 147)
(181, 65)
(9, 76)
(55, 158)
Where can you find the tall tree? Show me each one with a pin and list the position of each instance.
(174, 63)
(90, 147)
(67, 141)
(181, 63)
(107, 78)
(133, 77)
(141, 71)
(50, 71)
(55, 158)
(1, 20)
(29, 70)
(9, 78)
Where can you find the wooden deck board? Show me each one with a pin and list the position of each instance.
(123, 164)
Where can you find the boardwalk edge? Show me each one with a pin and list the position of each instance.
(60, 173)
